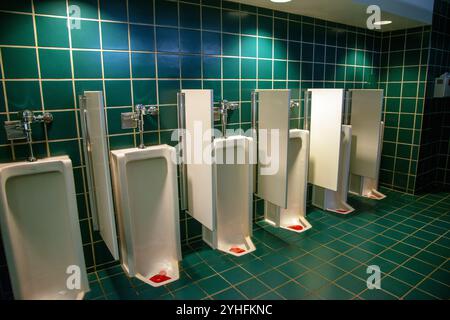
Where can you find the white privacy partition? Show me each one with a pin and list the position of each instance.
(199, 120)
(325, 137)
(273, 135)
(95, 145)
(367, 133)
(330, 147)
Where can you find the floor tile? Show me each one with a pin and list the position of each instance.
(292, 291)
(236, 275)
(229, 294)
(333, 292)
(213, 284)
(252, 288)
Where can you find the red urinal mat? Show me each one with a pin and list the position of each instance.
(161, 277)
(296, 227)
(237, 250)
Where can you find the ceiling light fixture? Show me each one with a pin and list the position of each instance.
(382, 22)
(281, 1)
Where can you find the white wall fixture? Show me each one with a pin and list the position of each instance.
(218, 192)
(93, 125)
(232, 230)
(40, 230)
(146, 193)
(330, 145)
(283, 191)
(367, 141)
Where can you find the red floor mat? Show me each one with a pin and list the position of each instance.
(161, 277)
(237, 250)
(296, 227)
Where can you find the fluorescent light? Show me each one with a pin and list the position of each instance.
(382, 22)
(281, 1)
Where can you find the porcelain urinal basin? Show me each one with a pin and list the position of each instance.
(293, 217)
(232, 226)
(146, 194)
(40, 230)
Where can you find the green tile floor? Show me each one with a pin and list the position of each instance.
(406, 236)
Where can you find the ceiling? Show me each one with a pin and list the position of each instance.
(403, 13)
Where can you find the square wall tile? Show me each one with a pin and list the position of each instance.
(118, 93)
(144, 91)
(87, 36)
(87, 9)
(166, 13)
(23, 95)
(189, 16)
(23, 29)
(167, 39)
(87, 64)
(142, 38)
(114, 36)
(63, 126)
(140, 11)
(168, 66)
(211, 43)
(143, 65)
(211, 67)
(116, 64)
(168, 91)
(191, 67)
(115, 10)
(19, 63)
(52, 32)
(55, 64)
(190, 41)
(58, 94)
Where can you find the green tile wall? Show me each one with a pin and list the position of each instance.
(403, 75)
(434, 157)
(140, 51)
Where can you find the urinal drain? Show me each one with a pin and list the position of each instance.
(160, 277)
(237, 250)
(296, 227)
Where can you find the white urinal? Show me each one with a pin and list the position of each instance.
(293, 218)
(232, 224)
(336, 201)
(40, 230)
(146, 196)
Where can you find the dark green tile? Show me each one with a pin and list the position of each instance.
(236, 275)
(52, 32)
(143, 65)
(334, 292)
(292, 291)
(116, 64)
(23, 95)
(23, 29)
(55, 64)
(144, 92)
(58, 94)
(213, 284)
(114, 36)
(118, 93)
(252, 288)
(229, 294)
(140, 11)
(19, 63)
(87, 36)
(51, 7)
(273, 278)
(63, 126)
(87, 64)
(312, 280)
